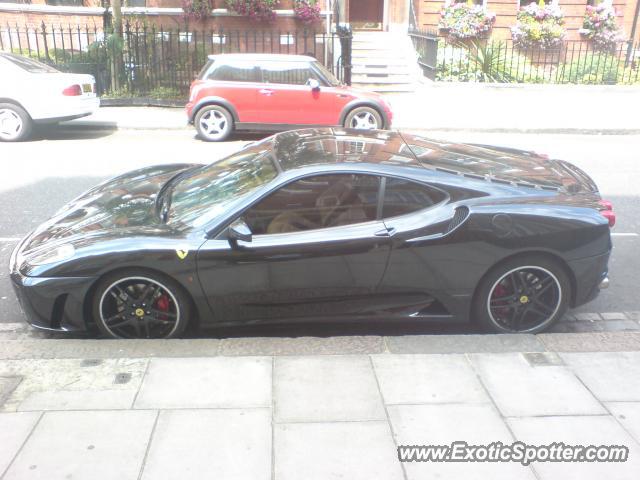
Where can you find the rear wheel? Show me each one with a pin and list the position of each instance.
(140, 304)
(523, 295)
(363, 118)
(214, 123)
(15, 123)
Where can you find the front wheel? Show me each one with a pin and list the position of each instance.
(523, 295)
(363, 118)
(15, 123)
(214, 123)
(140, 304)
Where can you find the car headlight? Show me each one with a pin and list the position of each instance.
(48, 256)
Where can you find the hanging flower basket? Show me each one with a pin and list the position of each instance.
(539, 27)
(601, 28)
(465, 21)
(258, 10)
(307, 11)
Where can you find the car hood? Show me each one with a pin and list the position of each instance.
(122, 206)
(500, 164)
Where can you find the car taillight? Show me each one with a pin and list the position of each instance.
(72, 91)
(606, 210)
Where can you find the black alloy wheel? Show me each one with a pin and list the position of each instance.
(523, 297)
(140, 306)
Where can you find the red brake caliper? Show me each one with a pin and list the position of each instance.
(162, 303)
(498, 292)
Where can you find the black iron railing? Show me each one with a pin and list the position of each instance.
(576, 62)
(147, 60)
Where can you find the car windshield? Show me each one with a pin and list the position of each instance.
(31, 66)
(208, 191)
(333, 81)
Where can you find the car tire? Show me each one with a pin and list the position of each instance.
(364, 118)
(214, 123)
(15, 123)
(125, 305)
(526, 294)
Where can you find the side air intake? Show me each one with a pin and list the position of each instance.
(459, 216)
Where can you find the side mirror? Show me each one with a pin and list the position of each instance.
(239, 230)
(314, 84)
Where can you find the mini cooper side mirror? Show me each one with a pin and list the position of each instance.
(239, 230)
(314, 84)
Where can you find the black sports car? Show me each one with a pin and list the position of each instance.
(317, 225)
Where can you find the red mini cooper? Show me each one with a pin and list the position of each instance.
(277, 92)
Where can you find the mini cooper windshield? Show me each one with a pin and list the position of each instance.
(206, 192)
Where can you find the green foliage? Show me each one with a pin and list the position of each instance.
(481, 61)
(597, 68)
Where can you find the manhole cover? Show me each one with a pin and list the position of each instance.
(122, 378)
(543, 359)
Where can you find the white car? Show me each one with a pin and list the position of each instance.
(34, 93)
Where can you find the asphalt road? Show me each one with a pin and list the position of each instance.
(41, 175)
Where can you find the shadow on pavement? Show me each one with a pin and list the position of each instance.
(71, 132)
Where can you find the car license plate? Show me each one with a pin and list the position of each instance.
(87, 88)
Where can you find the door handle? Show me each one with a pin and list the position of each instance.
(266, 91)
(386, 232)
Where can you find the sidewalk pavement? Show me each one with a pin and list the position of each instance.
(261, 409)
(519, 108)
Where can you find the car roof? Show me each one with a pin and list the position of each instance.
(273, 57)
(329, 146)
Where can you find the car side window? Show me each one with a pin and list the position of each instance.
(233, 71)
(405, 196)
(311, 203)
(291, 73)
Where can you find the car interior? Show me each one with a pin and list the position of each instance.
(316, 202)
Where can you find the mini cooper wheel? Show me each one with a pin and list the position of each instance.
(214, 123)
(525, 295)
(363, 118)
(140, 305)
(15, 123)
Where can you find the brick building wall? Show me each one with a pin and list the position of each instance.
(428, 15)
(154, 13)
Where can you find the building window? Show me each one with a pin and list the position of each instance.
(136, 3)
(66, 3)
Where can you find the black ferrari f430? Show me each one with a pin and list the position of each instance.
(317, 225)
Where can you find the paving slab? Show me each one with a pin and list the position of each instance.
(520, 389)
(72, 384)
(197, 444)
(342, 450)
(628, 415)
(578, 430)
(464, 343)
(7, 386)
(219, 382)
(407, 379)
(78, 400)
(14, 429)
(610, 376)
(326, 388)
(443, 424)
(85, 445)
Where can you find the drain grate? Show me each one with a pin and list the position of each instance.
(90, 362)
(122, 378)
(543, 359)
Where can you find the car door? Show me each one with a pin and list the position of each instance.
(238, 82)
(317, 250)
(285, 98)
(430, 273)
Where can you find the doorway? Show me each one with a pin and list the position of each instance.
(366, 14)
